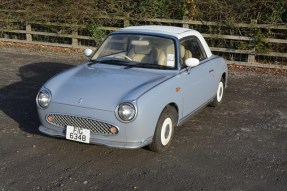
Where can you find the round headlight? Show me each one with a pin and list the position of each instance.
(126, 112)
(44, 98)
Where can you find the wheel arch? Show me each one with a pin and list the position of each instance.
(224, 77)
(175, 106)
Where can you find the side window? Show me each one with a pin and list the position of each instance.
(191, 48)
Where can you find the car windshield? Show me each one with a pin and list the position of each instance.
(134, 50)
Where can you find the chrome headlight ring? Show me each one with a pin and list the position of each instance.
(43, 98)
(126, 112)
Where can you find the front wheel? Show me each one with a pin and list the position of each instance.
(219, 94)
(164, 130)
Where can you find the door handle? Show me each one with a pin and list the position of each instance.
(212, 70)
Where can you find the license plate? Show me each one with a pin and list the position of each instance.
(78, 134)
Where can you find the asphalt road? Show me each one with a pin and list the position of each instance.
(240, 145)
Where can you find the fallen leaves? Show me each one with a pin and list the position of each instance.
(273, 71)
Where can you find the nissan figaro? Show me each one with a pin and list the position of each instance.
(140, 83)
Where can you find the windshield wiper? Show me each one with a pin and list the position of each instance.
(112, 61)
(147, 65)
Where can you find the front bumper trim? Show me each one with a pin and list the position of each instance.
(60, 132)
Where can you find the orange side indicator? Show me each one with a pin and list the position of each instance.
(177, 89)
(113, 130)
(50, 118)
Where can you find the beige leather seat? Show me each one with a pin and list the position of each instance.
(142, 53)
(188, 54)
(184, 54)
(163, 54)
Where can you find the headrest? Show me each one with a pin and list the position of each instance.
(142, 49)
(182, 51)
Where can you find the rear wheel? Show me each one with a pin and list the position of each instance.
(164, 131)
(219, 94)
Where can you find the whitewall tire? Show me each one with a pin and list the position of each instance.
(219, 94)
(164, 131)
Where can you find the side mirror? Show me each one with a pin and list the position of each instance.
(191, 62)
(88, 52)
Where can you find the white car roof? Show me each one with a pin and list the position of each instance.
(170, 30)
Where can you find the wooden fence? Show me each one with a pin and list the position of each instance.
(29, 34)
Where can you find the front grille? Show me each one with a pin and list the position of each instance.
(94, 126)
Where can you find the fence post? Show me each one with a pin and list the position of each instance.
(185, 19)
(251, 54)
(75, 42)
(127, 21)
(28, 30)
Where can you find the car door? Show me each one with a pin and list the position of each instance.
(196, 81)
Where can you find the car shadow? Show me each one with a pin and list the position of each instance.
(17, 100)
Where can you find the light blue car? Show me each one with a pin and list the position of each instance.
(139, 85)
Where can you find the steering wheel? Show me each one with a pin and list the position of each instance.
(122, 55)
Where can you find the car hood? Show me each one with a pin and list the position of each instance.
(102, 86)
